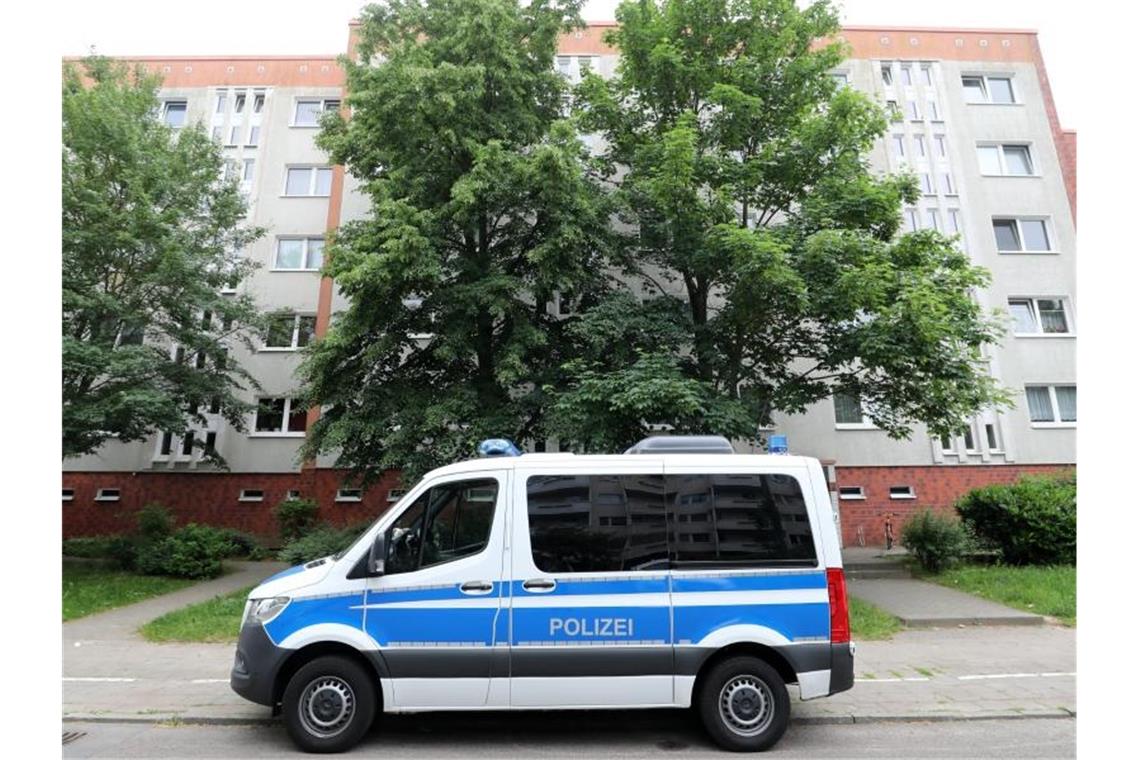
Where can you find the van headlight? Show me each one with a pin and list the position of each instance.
(264, 610)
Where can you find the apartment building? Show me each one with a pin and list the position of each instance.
(973, 117)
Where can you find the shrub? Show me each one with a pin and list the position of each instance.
(244, 546)
(936, 542)
(154, 522)
(89, 547)
(295, 518)
(319, 542)
(1030, 522)
(193, 551)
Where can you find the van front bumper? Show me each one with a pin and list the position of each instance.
(256, 664)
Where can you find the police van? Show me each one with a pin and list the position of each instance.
(676, 575)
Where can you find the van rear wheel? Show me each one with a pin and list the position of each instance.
(329, 704)
(744, 704)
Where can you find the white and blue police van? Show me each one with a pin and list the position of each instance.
(676, 575)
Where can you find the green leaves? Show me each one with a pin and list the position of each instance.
(150, 237)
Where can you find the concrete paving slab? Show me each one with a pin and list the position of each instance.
(919, 604)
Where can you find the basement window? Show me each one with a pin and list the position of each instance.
(395, 494)
(350, 494)
(68, 494)
(251, 494)
(107, 494)
(851, 492)
(292, 495)
(902, 492)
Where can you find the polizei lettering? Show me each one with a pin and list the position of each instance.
(591, 627)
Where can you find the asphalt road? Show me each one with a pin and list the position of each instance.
(631, 735)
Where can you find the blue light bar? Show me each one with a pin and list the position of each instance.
(777, 444)
(498, 447)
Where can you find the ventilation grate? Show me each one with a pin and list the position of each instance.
(70, 736)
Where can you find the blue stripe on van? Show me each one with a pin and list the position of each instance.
(793, 621)
(440, 594)
(302, 613)
(575, 587)
(589, 624)
(750, 582)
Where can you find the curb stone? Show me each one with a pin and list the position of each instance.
(815, 720)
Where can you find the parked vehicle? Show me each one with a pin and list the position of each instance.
(677, 574)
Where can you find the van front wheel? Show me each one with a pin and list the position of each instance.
(744, 704)
(328, 705)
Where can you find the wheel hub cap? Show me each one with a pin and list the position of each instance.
(746, 705)
(327, 706)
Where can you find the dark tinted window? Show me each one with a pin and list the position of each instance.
(458, 517)
(597, 523)
(738, 520)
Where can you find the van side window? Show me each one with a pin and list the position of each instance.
(458, 517)
(597, 523)
(726, 520)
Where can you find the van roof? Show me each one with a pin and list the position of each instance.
(580, 461)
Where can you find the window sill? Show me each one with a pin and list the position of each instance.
(284, 195)
(903, 498)
(1045, 335)
(277, 350)
(104, 498)
(304, 126)
(1053, 425)
(347, 501)
(275, 435)
(852, 498)
(989, 103)
(250, 501)
(855, 426)
(1028, 253)
(1012, 176)
(303, 271)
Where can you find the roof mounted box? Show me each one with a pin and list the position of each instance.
(682, 444)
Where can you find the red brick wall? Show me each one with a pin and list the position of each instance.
(937, 487)
(211, 498)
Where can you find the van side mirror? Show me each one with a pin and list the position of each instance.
(377, 554)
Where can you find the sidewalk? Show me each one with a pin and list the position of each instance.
(110, 673)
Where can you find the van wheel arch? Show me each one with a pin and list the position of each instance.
(307, 654)
(747, 649)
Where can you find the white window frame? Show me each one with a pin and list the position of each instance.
(1056, 423)
(167, 102)
(314, 172)
(103, 494)
(935, 216)
(247, 494)
(254, 136)
(293, 346)
(972, 429)
(898, 143)
(857, 493)
(866, 424)
(1001, 146)
(910, 494)
(999, 449)
(941, 146)
(926, 180)
(307, 239)
(324, 100)
(887, 68)
(395, 494)
(346, 495)
(284, 431)
(1034, 310)
(986, 89)
(915, 112)
(1021, 235)
(952, 451)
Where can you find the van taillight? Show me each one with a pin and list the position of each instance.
(837, 597)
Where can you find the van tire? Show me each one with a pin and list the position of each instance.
(329, 704)
(744, 704)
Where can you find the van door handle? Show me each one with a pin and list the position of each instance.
(476, 587)
(539, 585)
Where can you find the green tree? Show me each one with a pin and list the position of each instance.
(482, 212)
(149, 235)
(740, 166)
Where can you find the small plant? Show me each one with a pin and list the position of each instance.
(1030, 522)
(193, 551)
(319, 542)
(295, 518)
(937, 542)
(154, 522)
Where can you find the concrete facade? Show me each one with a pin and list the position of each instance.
(940, 136)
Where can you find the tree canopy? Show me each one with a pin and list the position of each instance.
(150, 235)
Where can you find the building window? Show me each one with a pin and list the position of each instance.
(894, 111)
(932, 109)
(292, 494)
(851, 492)
(900, 146)
(913, 109)
(395, 494)
(107, 494)
(308, 111)
(1052, 404)
(254, 136)
(308, 180)
(174, 113)
(840, 79)
(290, 331)
(947, 444)
(968, 439)
(235, 136)
(983, 89)
(251, 494)
(955, 224)
(258, 101)
(948, 184)
(1017, 235)
(993, 442)
(902, 492)
(1039, 316)
(350, 494)
(927, 184)
(910, 216)
(906, 78)
(940, 146)
(216, 134)
(220, 101)
(887, 74)
(849, 411)
(927, 75)
(304, 254)
(920, 146)
(564, 65)
(1009, 160)
(932, 220)
(68, 494)
(280, 416)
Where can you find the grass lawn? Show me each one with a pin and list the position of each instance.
(1048, 591)
(216, 619)
(869, 623)
(91, 588)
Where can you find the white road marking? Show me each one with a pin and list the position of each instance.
(210, 680)
(890, 680)
(974, 677)
(103, 680)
